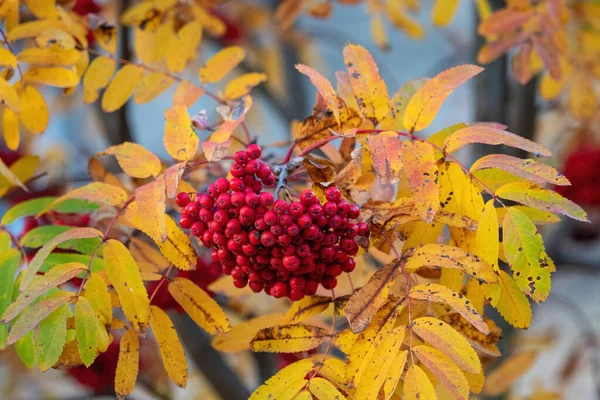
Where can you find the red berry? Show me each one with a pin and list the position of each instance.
(224, 201)
(182, 199)
(297, 282)
(315, 211)
(266, 199)
(308, 197)
(237, 273)
(256, 287)
(185, 222)
(237, 170)
(206, 201)
(296, 209)
(284, 240)
(329, 282)
(334, 269)
(296, 295)
(293, 230)
(214, 256)
(280, 206)
(330, 208)
(347, 243)
(267, 274)
(276, 230)
(327, 253)
(285, 220)
(352, 230)
(311, 287)
(237, 185)
(330, 239)
(340, 256)
(221, 217)
(311, 233)
(269, 180)
(253, 166)
(279, 290)
(303, 250)
(349, 265)
(304, 221)
(271, 218)
(205, 215)
(219, 239)
(198, 228)
(363, 229)
(192, 210)
(212, 190)
(260, 224)
(222, 185)
(240, 283)
(257, 187)
(335, 222)
(268, 239)
(216, 227)
(254, 151)
(333, 194)
(238, 199)
(207, 238)
(291, 262)
(264, 171)
(249, 249)
(241, 157)
(247, 216)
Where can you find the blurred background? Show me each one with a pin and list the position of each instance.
(565, 328)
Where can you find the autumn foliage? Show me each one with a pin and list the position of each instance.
(383, 243)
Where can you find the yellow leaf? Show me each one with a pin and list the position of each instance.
(394, 373)
(550, 88)
(10, 128)
(446, 339)
(368, 86)
(221, 64)
(242, 85)
(202, 308)
(98, 75)
(178, 248)
(122, 87)
(379, 364)
(502, 378)
(32, 316)
(305, 308)
(51, 279)
(417, 385)
(125, 277)
(325, 89)
(386, 152)
(34, 28)
(34, 113)
(171, 350)
(536, 216)
(277, 384)
(54, 56)
(135, 159)
(288, 338)
(446, 256)
(443, 11)
(182, 46)
(97, 294)
(531, 170)
(510, 301)
(440, 294)
(86, 326)
(100, 174)
(186, 94)
(52, 76)
(322, 389)
(582, 99)
(425, 104)
(128, 364)
(20, 171)
(378, 32)
(42, 8)
(421, 169)
(241, 334)
(9, 96)
(106, 36)
(180, 140)
(445, 370)
(524, 248)
(7, 59)
(97, 192)
(543, 199)
(40, 256)
(488, 239)
(151, 87)
(367, 300)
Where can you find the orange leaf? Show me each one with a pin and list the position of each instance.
(421, 169)
(369, 88)
(325, 89)
(386, 152)
(425, 104)
(529, 169)
(187, 94)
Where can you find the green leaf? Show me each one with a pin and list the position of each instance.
(40, 285)
(9, 262)
(86, 331)
(55, 259)
(32, 315)
(524, 249)
(25, 348)
(4, 242)
(34, 206)
(542, 199)
(51, 337)
(37, 237)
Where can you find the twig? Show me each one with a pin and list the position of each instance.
(7, 43)
(162, 280)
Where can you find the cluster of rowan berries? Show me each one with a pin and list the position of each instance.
(285, 249)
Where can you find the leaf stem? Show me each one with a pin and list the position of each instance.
(7, 43)
(162, 280)
(15, 241)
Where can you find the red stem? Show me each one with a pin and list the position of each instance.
(162, 280)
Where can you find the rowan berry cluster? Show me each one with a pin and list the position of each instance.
(285, 249)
